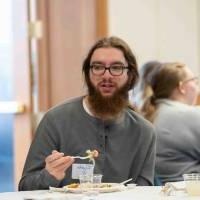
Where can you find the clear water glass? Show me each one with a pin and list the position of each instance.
(192, 184)
(86, 179)
(97, 178)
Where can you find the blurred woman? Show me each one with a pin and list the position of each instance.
(171, 109)
(142, 90)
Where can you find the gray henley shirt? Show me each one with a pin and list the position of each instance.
(126, 146)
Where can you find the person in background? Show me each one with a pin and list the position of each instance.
(143, 89)
(100, 120)
(171, 108)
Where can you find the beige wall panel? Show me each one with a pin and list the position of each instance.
(71, 31)
(70, 28)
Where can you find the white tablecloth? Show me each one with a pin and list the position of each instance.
(137, 193)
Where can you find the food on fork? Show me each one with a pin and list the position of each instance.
(92, 154)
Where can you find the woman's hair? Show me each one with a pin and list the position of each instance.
(118, 43)
(164, 81)
(145, 72)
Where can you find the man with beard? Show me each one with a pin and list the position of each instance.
(101, 120)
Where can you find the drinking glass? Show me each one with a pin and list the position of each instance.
(192, 183)
(97, 178)
(85, 182)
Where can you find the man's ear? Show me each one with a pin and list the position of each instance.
(181, 87)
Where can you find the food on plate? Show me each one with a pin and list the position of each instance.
(73, 185)
(86, 185)
(104, 185)
(97, 185)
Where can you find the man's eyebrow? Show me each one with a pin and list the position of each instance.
(118, 62)
(112, 63)
(97, 62)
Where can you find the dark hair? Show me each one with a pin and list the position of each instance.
(164, 81)
(146, 72)
(118, 43)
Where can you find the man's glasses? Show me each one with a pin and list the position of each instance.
(115, 69)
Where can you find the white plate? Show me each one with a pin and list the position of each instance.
(131, 185)
(102, 188)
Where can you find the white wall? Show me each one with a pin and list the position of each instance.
(165, 30)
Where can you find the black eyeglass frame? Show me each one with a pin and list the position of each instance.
(109, 69)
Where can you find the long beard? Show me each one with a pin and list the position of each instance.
(107, 107)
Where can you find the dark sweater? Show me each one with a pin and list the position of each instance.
(126, 146)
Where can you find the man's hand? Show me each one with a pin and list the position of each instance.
(57, 164)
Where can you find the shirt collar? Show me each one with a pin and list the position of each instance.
(86, 107)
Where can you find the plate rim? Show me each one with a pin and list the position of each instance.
(116, 187)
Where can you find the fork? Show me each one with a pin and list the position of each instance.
(126, 181)
(81, 157)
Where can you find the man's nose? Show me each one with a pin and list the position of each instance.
(107, 73)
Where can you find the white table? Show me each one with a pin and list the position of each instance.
(137, 193)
